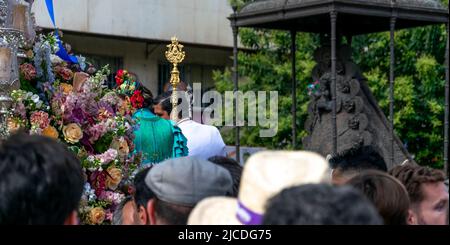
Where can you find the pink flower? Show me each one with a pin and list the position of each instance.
(109, 215)
(96, 132)
(21, 110)
(40, 119)
(28, 71)
(64, 72)
(108, 156)
(112, 197)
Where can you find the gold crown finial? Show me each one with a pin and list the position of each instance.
(175, 55)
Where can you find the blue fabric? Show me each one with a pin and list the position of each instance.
(157, 139)
(180, 148)
(62, 52)
(51, 12)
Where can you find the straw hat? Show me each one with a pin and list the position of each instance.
(265, 174)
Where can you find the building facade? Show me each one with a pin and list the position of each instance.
(133, 35)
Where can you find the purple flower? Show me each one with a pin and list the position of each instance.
(97, 131)
(21, 110)
(70, 103)
(87, 144)
(77, 115)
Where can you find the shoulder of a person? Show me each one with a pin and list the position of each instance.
(209, 127)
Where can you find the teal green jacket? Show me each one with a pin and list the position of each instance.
(157, 139)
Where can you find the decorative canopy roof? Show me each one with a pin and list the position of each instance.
(354, 16)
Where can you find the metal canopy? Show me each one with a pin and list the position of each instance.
(355, 17)
(313, 15)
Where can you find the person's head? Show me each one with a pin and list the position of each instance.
(350, 163)
(142, 196)
(427, 193)
(125, 212)
(148, 97)
(41, 181)
(179, 184)
(320, 204)
(233, 167)
(387, 194)
(163, 105)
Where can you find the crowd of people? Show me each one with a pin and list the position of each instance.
(187, 179)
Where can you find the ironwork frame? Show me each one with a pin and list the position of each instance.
(294, 89)
(298, 18)
(236, 85)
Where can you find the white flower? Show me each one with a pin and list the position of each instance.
(28, 95)
(92, 197)
(87, 186)
(91, 158)
(81, 61)
(55, 59)
(35, 98)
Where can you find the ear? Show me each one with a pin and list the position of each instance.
(142, 215)
(72, 219)
(336, 178)
(151, 211)
(412, 218)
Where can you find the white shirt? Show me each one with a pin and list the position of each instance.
(203, 141)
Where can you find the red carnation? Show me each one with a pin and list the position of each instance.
(120, 77)
(137, 100)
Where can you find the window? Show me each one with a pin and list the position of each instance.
(189, 73)
(164, 75)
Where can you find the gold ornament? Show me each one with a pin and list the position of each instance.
(175, 55)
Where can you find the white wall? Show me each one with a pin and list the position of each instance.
(192, 21)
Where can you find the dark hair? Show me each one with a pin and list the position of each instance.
(366, 157)
(148, 97)
(171, 214)
(165, 101)
(233, 167)
(387, 194)
(320, 204)
(118, 214)
(413, 177)
(142, 192)
(41, 181)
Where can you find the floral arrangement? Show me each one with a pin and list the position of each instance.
(313, 88)
(128, 86)
(71, 103)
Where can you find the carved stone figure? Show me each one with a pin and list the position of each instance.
(360, 121)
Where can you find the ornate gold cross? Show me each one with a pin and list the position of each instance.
(175, 55)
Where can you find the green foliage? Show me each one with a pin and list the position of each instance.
(27, 86)
(269, 69)
(104, 142)
(419, 84)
